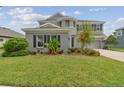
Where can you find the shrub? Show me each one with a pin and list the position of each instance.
(16, 53)
(5, 54)
(72, 50)
(105, 47)
(78, 50)
(34, 53)
(60, 51)
(91, 52)
(15, 44)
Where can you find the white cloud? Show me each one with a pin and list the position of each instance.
(111, 26)
(97, 9)
(64, 12)
(18, 25)
(24, 18)
(31, 17)
(77, 12)
(17, 11)
(26, 14)
(2, 15)
(118, 23)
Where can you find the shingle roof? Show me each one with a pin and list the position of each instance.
(9, 33)
(120, 29)
(55, 16)
(90, 21)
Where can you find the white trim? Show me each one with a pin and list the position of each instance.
(38, 40)
(50, 24)
(50, 37)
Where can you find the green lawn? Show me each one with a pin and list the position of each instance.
(117, 49)
(66, 70)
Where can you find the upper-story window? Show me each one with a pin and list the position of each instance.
(94, 27)
(67, 23)
(101, 27)
(97, 27)
(119, 33)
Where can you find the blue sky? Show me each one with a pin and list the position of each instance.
(22, 17)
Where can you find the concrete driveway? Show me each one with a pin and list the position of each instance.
(112, 54)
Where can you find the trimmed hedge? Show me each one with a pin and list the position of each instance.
(15, 44)
(85, 51)
(72, 49)
(16, 53)
(91, 52)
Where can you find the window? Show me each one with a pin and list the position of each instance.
(45, 41)
(119, 33)
(59, 38)
(40, 41)
(34, 41)
(94, 27)
(101, 27)
(97, 27)
(53, 37)
(48, 38)
(67, 23)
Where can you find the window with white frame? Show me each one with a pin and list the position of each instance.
(98, 27)
(44, 39)
(40, 42)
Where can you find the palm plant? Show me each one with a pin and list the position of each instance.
(53, 46)
(85, 35)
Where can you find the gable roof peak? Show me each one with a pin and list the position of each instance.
(49, 25)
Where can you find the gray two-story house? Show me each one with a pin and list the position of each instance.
(119, 34)
(64, 29)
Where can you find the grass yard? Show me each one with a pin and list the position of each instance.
(117, 49)
(61, 70)
(1, 50)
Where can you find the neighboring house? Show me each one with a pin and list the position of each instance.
(119, 34)
(64, 29)
(6, 34)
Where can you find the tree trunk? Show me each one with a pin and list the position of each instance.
(82, 47)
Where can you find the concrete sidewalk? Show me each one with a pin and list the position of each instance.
(112, 54)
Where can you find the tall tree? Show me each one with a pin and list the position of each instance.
(111, 40)
(85, 34)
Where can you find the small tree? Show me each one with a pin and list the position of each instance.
(111, 40)
(53, 46)
(85, 35)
